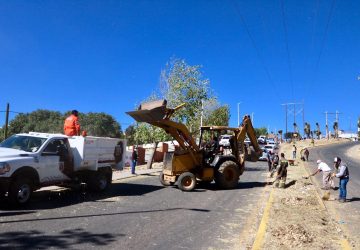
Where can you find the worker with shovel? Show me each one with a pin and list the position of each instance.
(281, 172)
(327, 180)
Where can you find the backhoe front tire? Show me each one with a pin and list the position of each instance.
(227, 176)
(164, 182)
(186, 181)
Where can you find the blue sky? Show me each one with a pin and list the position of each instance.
(105, 56)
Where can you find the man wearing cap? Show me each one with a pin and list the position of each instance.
(327, 177)
(343, 175)
(71, 124)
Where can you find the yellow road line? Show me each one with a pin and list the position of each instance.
(260, 235)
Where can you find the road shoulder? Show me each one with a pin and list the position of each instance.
(298, 218)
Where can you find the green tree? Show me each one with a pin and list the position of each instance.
(318, 131)
(41, 120)
(146, 133)
(100, 124)
(280, 132)
(183, 83)
(130, 134)
(217, 115)
(2, 134)
(260, 131)
(46, 121)
(336, 129)
(307, 129)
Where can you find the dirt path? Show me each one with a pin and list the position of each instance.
(297, 217)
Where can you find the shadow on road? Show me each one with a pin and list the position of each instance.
(15, 213)
(254, 169)
(289, 184)
(67, 239)
(65, 197)
(202, 187)
(353, 199)
(103, 214)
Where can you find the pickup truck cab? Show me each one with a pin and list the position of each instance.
(34, 160)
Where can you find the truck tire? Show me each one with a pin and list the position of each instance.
(20, 191)
(227, 176)
(99, 181)
(186, 181)
(164, 182)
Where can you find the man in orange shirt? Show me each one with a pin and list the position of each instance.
(71, 125)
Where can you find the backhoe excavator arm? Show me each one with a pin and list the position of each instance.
(247, 129)
(157, 114)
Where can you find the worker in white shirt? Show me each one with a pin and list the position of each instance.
(328, 181)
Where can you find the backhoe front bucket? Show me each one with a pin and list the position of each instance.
(150, 112)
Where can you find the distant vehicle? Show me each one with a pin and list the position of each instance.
(247, 141)
(261, 140)
(262, 137)
(263, 157)
(271, 148)
(270, 140)
(225, 141)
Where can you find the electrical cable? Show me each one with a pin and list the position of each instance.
(287, 48)
(324, 39)
(237, 10)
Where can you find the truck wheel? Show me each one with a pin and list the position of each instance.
(20, 191)
(186, 181)
(99, 181)
(228, 175)
(164, 182)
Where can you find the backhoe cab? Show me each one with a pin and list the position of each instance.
(205, 161)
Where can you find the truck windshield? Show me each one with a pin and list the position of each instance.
(25, 143)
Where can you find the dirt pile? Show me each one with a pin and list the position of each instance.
(293, 235)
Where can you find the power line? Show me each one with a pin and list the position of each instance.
(287, 48)
(324, 38)
(237, 10)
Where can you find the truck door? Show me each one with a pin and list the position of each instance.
(52, 165)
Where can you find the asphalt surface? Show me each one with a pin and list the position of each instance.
(136, 213)
(347, 214)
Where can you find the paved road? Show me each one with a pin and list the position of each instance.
(347, 213)
(136, 213)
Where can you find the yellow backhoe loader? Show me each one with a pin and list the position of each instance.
(192, 162)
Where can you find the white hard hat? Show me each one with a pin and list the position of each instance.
(318, 161)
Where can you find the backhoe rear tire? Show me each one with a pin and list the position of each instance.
(186, 181)
(227, 176)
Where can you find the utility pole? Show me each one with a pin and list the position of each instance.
(303, 115)
(238, 111)
(202, 113)
(287, 111)
(7, 119)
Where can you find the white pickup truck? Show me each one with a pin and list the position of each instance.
(34, 160)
